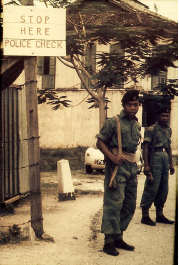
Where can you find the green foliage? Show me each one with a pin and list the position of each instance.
(163, 56)
(115, 69)
(95, 104)
(50, 96)
(168, 88)
(149, 41)
(75, 46)
(58, 3)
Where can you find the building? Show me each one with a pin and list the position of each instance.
(76, 125)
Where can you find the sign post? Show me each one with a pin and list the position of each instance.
(30, 31)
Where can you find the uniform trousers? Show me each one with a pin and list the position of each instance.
(157, 191)
(119, 202)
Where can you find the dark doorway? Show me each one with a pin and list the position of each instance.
(151, 105)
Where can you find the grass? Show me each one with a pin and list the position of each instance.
(75, 156)
(49, 158)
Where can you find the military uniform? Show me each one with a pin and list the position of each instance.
(119, 204)
(159, 139)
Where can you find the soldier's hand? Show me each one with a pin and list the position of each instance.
(147, 170)
(148, 174)
(172, 170)
(150, 178)
(118, 159)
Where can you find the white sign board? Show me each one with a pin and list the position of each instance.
(31, 31)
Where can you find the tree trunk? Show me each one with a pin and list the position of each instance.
(102, 111)
(102, 115)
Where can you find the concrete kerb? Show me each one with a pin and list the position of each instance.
(83, 184)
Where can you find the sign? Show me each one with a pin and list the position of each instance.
(31, 31)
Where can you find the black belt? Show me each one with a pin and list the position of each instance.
(159, 149)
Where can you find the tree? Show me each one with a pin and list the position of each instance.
(149, 42)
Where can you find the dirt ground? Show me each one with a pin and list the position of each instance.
(75, 227)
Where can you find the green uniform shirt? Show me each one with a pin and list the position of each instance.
(158, 136)
(130, 133)
(120, 202)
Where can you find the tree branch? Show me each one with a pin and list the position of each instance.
(83, 81)
(82, 68)
(66, 64)
(83, 26)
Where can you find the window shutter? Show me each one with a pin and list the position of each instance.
(156, 80)
(52, 65)
(48, 77)
(40, 65)
(117, 49)
(90, 62)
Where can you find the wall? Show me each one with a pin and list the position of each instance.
(78, 125)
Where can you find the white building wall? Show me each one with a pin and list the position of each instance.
(78, 125)
(66, 77)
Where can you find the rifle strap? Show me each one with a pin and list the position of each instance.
(119, 135)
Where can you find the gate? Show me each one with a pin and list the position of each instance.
(14, 166)
(10, 143)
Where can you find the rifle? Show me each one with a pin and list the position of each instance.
(119, 150)
(127, 156)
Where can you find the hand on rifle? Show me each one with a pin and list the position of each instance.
(148, 174)
(118, 159)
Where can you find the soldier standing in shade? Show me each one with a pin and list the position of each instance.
(120, 200)
(157, 156)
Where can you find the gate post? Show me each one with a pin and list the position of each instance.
(33, 144)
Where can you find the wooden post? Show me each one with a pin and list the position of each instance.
(30, 66)
(1, 147)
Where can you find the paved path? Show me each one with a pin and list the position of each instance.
(75, 226)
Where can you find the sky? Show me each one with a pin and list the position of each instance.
(167, 8)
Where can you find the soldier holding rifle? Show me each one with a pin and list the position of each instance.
(119, 146)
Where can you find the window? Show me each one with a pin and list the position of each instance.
(46, 67)
(156, 80)
(117, 49)
(90, 62)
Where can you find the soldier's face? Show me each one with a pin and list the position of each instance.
(131, 108)
(164, 118)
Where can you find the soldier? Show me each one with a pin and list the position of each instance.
(120, 200)
(157, 155)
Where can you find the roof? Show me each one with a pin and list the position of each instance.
(127, 13)
(140, 7)
(137, 2)
(141, 3)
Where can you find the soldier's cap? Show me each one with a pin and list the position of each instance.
(163, 109)
(130, 95)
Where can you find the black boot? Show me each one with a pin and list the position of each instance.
(145, 217)
(160, 218)
(164, 220)
(147, 221)
(110, 249)
(120, 243)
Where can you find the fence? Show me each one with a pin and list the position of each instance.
(14, 167)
